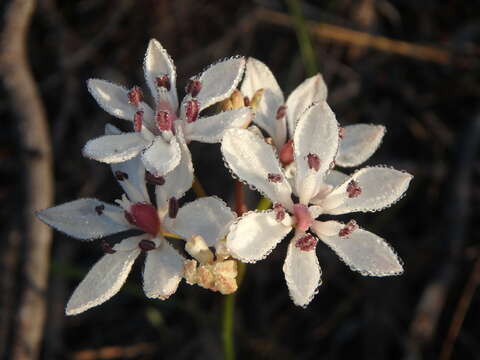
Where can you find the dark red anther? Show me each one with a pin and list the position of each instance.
(246, 101)
(164, 120)
(279, 212)
(154, 180)
(163, 82)
(192, 109)
(120, 175)
(306, 243)
(353, 189)
(313, 161)
(135, 96)
(99, 209)
(107, 248)
(349, 227)
(138, 120)
(341, 132)
(172, 208)
(274, 178)
(332, 165)
(281, 112)
(145, 217)
(286, 153)
(146, 245)
(193, 87)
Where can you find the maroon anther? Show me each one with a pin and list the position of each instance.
(163, 82)
(281, 112)
(192, 109)
(341, 132)
(332, 165)
(107, 248)
(306, 243)
(193, 87)
(246, 101)
(138, 120)
(274, 178)
(353, 190)
(286, 153)
(172, 208)
(146, 245)
(279, 212)
(313, 161)
(144, 216)
(349, 227)
(120, 175)
(135, 96)
(99, 209)
(164, 120)
(155, 180)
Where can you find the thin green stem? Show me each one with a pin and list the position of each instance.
(303, 37)
(227, 327)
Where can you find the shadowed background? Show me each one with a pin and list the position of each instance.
(409, 65)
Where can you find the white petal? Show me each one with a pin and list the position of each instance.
(180, 179)
(255, 235)
(219, 81)
(252, 159)
(162, 156)
(210, 129)
(310, 91)
(163, 271)
(115, 148)
(316, 133)
(134, 186)
(302, 273)
(359, 143)
(380, 186)
(258, 76)
(157, 63)
(363, 251)
(208, 217)
(114, 99)
(335, 178)
(80, 220)
(103, 281)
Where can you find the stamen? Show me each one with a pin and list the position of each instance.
(154, 180)
(192, 108)
(120, 175)
(172, 208)
(193, 87)
(163, 81)
(164, 120)
(99, 209)
(350, 227)
(137, 121)
(246, 101)
(341, 132)
(135, 96)
(144, 216)
(107, 248)
(146, 245)
(313, 161)
(353, 189)
(281, 112)
(306, 243)
(279, 212)
(286, 153)
(274, 178)
(332, 165)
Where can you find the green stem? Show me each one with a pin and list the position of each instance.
(227, 327)
(303, 37)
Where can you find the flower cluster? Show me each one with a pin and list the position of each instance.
(202, 241)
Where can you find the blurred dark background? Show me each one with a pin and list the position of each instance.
(412, 66)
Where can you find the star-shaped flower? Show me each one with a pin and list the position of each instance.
(253, 236)
(357, 142)
(153, 134)
(88, 219)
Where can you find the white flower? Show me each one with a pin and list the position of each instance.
(154, 128)
(255, 234)
(358, 142)
(92, 219)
